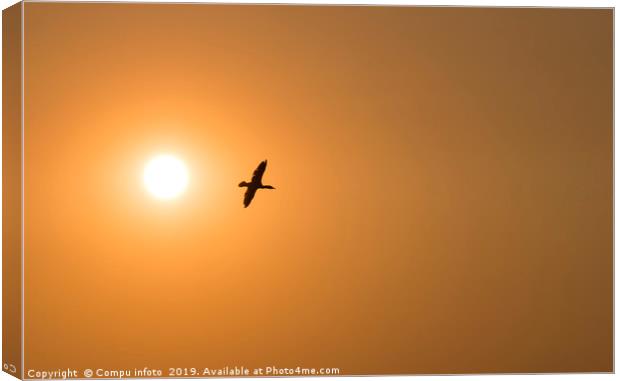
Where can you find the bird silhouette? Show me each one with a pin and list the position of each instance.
(256, 184)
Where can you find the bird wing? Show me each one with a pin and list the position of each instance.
(249, 195)
(257, 177)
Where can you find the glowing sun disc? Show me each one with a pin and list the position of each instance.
(165, 177)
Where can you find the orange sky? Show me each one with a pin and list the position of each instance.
(443, 178)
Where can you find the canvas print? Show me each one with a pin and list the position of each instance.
(212, 190)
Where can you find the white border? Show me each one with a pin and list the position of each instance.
(22, 189)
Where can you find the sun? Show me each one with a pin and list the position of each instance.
(165, 177)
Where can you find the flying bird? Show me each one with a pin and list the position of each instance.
(257, 183)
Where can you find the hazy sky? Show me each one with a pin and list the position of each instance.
(443, 201)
